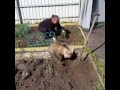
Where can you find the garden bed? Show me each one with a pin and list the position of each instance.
(73, 38)
(38, 73)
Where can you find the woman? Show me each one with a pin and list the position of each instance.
(50, 27)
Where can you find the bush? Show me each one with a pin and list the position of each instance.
(21, 31)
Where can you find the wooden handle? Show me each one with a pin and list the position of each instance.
(96, 14)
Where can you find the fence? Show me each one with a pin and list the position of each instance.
(37, 10)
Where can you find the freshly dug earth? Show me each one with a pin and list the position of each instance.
(74, 35)
(41, 74)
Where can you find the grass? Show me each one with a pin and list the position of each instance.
(100, 68)
(98, 86)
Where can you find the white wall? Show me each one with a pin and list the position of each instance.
(99, 6)
(62, 11)
(46, 12)
(101, 10)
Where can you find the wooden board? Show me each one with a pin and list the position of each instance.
(42, 48)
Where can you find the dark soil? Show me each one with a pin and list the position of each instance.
(44, 74)
(74, 35)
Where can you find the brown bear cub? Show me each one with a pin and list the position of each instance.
(59, 50)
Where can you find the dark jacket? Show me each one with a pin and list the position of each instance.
(47, 25)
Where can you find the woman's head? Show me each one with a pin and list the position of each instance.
(55, 19)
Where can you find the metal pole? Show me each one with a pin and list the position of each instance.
(19, 11)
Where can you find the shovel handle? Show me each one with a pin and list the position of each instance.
(96, 14)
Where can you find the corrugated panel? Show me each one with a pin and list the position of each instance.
(70, 12)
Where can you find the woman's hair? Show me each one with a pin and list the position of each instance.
(55, 16)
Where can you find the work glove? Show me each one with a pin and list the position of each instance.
(63, 33)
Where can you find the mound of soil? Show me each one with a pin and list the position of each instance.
(41, 74)
(74, 35)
